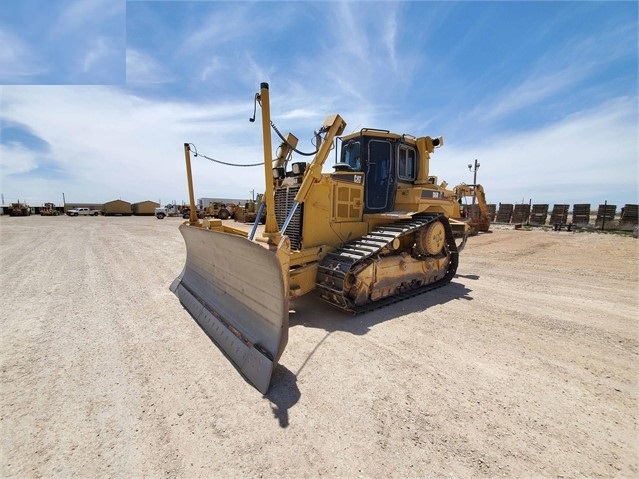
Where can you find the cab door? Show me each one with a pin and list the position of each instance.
(379, 177)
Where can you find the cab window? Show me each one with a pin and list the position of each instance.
(351, 155)
(406, 164)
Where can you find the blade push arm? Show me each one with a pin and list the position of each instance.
(333, 126)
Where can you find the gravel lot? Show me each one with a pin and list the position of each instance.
(524, 366)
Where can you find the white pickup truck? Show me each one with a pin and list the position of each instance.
(83, 212)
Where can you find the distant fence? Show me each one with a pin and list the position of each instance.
(581, 214)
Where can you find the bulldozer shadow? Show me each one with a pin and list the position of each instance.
(283, 394)
(310, 311)
(474, 277)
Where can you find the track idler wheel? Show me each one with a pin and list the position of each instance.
(431, 240)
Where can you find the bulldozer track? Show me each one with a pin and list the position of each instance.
(336, 265)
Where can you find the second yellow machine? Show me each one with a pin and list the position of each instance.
(372, 232)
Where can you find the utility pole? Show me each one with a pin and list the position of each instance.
(474, 171)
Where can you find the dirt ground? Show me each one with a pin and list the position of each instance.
(524, 366)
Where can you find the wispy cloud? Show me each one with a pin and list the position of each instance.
(530, 92)
(99, 51)
(102, 62)
(19, 63)
(16, 159)
(589, 155)
(65, 42)
(558, 81)
(141, 69)
(226, 24)
(349, 27)
(81, 16)
(128, 146)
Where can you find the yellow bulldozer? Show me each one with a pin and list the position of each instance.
(216, 209)
(49, 209)
(374, 231)
(248, 213)
(19, 209)
(476, 213)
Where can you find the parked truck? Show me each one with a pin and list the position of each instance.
(171, 209)
(83, 212)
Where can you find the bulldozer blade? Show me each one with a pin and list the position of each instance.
(234, 289)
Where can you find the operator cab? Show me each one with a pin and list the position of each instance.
(385, 159)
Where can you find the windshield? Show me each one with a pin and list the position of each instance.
(351, 155)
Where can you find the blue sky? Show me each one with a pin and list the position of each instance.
(98, 96)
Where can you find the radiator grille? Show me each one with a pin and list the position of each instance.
(284, 197)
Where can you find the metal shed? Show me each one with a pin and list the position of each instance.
(117, 207)
(145, 208)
